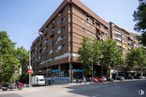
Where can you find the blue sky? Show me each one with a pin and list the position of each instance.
(23, 18)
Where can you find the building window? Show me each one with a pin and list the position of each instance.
(87, 32)
(62, 20)
(102, 27)
(52, 36)
(59, 39)
(93, 35)
(45, 42)
(59, 31)
(93, 27)
(62, 29)
(63, 45)
(87, 17)
(51, 51)
(62, 36)
(93, 21)
(59, 48)
(83, 21)
(58, 22)
(118, 35)
(87, 24)
(53, 43)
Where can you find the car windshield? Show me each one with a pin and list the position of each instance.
(41, 80)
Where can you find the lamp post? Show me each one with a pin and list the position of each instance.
(29, 69)
(92, 70)
(92, 67)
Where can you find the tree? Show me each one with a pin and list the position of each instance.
(85, 57)
(140, 18)
(135, 58)
(8, 60)
(111, 55)
(24, 78)
(104, 53)
(22, 55)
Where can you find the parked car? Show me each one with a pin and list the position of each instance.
(97, 79)
(109, 79)
(104, 78)
(119, 78)
(94, 80)
(142, 77)
(5, 86)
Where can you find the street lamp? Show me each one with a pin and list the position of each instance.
(92, 70)
(29, 69)
(92, 67)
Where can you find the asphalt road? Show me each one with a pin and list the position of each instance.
(119, 89)
(116, 89)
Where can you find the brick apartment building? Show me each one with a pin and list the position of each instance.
(55, 50)
(124, 39)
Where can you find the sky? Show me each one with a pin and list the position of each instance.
(23, 18)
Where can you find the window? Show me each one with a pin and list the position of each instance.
(87, 24)
(93, 35)
(59, 31)
(118, 33)
(118, 36)
(53, 43)
(62, 36)
(102, 27)
(93, 21)
(52, 36)
(87, 32)
(63, 45)
(62, 29)
(59, 14)
(59, 39)
(117, 40)
(45, 42)
(83, 21)
(59, 48)
(58, 22)
(62, 20)
(93, 27)
(51, 51)
(53, 28)
(83, 29)
(87, 17)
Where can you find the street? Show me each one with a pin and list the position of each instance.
(111, 89)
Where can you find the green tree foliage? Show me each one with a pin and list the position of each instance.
(24, 78)
(136, 58)
(85, 55)
(104, 53)
(111, 55)
(140, 18)
(22, 55)
(10, 59)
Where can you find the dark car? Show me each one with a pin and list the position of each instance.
(5, 86)
(119, 78)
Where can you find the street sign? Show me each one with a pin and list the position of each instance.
(29, 71)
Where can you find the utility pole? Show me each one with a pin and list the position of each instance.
(30, 68)
(92, 70)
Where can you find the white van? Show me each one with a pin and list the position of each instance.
(38, 80)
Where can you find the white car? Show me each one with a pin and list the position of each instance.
(142, 77)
